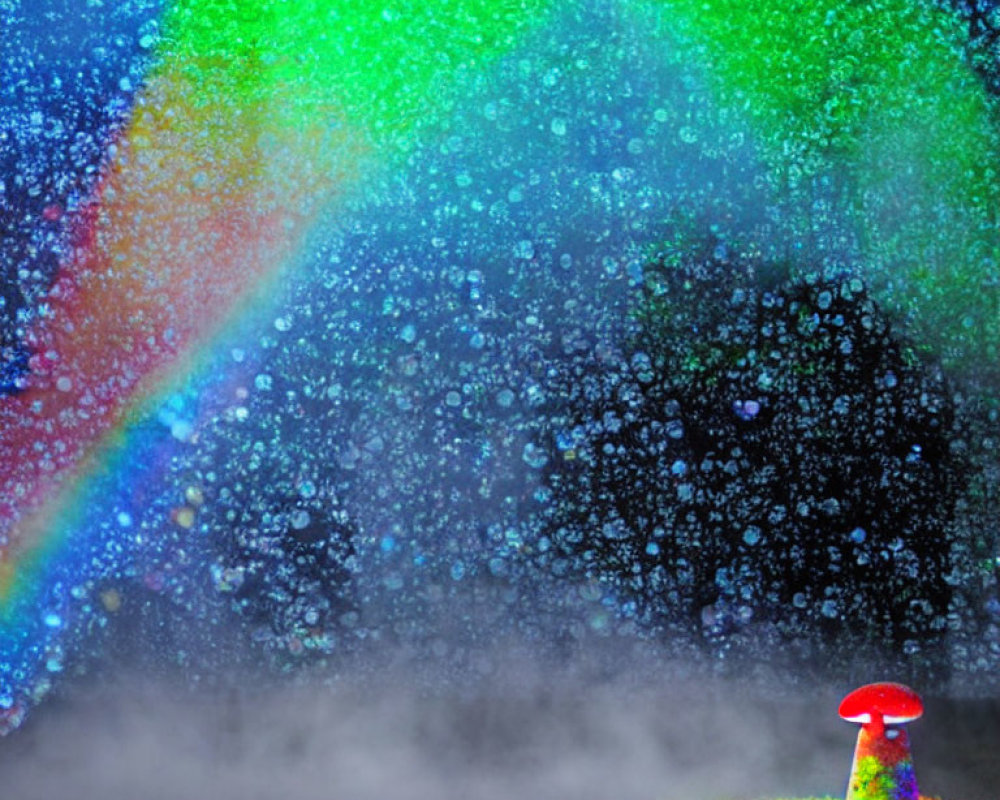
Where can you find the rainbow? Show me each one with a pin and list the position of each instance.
(252, 124)
(259, 119)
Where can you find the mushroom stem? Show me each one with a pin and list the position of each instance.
(876, 727)
(883, 767)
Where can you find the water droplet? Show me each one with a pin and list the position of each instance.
(524, 249)
(534, 456)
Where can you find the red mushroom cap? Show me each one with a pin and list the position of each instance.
(892, 702)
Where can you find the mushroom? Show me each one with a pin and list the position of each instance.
(883, 767)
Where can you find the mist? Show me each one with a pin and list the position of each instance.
(605, 724)
(529, 732)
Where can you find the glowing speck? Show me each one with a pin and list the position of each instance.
(184, 516)
(111, 600)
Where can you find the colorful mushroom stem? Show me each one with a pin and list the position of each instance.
(882, 767)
